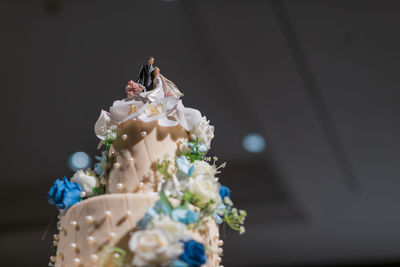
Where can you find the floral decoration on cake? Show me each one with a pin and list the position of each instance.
(190, 194)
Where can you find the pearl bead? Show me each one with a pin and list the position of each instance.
(82, 194)
(56, 237)
(128, 213)
(90, 239)
(53, 258)
(107, 213)
(89, 219)
(117, 165)
(112, 235)
(217, 235)
(143, 133)
(55, 243)
(219, 259)
(77, 261)
(124, 137)
(73, 245)
(74, 224)
(220, 242)
(141, 184)
(120, 187)
(94, 258)
(131, 159)
(220, 250)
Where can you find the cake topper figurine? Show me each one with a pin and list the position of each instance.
(144, 77)
(160, 87)
(155, 87)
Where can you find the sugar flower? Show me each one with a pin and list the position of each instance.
(206, 189)
(203, 131)
(174, 230)
(184, 165)
(203, 168)
(64, 193)
(147, 218)
(194, 254)
(185, 216)
(224, 192)
(152, 247)
(87, 180)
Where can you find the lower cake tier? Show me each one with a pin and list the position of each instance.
(107, 221)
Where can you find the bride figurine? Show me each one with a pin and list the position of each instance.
(161, 87)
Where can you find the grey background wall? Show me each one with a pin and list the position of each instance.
(318, 79)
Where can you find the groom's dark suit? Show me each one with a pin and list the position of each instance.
(144, 77)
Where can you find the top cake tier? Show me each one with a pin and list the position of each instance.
(140, 132)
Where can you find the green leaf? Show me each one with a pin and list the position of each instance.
(98, 190)
(164, 200)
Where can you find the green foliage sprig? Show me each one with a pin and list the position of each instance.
(195, 151)
(163, 166)
(235, 219)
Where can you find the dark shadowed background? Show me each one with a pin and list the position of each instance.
(319, 80)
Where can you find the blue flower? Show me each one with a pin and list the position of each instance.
(185, 216)
(64, 193)
(161, 207)
(224, 192)
(97, 167)
(202, 147)
(194, 254)
(184, 165)
(218, 217)
(147, 218)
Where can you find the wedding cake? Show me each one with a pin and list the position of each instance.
(153, 198)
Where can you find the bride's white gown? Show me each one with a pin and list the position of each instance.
(162, 88)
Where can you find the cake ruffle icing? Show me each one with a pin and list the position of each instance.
(153, 198)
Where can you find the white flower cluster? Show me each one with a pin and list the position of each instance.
(159, 244)
(203, 131)
(201, 182)
(109, 132)
(87, 180)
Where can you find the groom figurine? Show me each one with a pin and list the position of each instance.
(144, 77)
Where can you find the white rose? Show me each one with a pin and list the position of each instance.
(175, 230)
(205, 187)
(87, 180)
(153, 248)
(203, 168)
(204, 131)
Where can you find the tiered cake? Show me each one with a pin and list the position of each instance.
(153, 199)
